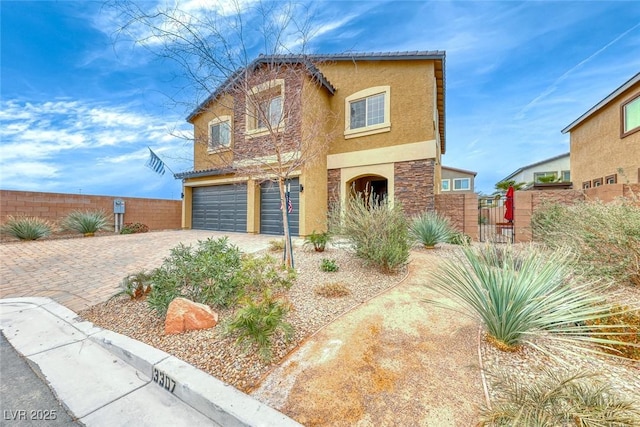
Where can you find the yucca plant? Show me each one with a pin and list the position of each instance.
(86, 222)
(431, 228)
(526, 295)
(257, 322)
(558, 399)
(26, 227)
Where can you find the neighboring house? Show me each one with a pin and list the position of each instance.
(557, 166)
(387, 135)
(607, 138)
(457, 180)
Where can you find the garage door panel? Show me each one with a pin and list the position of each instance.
(220, 208)
(270, 213)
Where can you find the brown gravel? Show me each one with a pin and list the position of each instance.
(218, 356)
(209, 351)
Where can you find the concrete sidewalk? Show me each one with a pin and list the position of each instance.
(107, 379)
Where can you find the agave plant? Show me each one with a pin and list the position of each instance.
(431, 228)
(26, 227)
(87, 222)
(524, 296)
(558, 399)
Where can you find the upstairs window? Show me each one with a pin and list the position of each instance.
(461, 184)
(566, 176)
(367, 112)
(219, 133)
(631, 116)
(265, 107)
(543, 177)
(445, 185)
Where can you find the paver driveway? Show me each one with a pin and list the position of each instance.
(82, 272)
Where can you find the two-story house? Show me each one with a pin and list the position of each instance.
(606, 139)
(369, 121)
(556, 168)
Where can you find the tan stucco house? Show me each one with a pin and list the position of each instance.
(456, 180)
(379, 119)
(607, 138)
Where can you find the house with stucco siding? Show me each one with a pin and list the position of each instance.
(605, 141)
(387, 136)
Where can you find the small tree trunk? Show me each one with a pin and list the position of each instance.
(285, 223)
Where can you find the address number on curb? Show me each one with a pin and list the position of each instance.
(163, 380)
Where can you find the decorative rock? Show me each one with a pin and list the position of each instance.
(184, 315)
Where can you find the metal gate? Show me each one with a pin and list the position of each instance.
(493, 221)
(270, 212)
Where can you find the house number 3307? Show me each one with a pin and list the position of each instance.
(163, 380)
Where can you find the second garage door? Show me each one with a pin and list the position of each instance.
(220, 208)
(270, 213)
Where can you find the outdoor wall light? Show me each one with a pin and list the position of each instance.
(301, 188)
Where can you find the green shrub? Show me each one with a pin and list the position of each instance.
(431, 228)
(133, 228)
(257, 323)
(26, 228)
(523, 296)
(558, 399)
(378, 232)
(318, 240)
(605, 237)
(206, 274)
(215, 273)
(459, 238)
(86, 222)
(137, 285)
(329, 265)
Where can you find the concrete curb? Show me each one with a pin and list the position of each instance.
(220, 402)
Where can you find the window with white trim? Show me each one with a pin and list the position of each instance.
(460, 184)
(367, 112)
(566, 176)
(446, 185)
(220, 133)
(546, 176)
(631, 116)
(265, 108)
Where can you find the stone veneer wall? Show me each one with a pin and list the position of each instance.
(462, 211)
(414, 186)
(333, 187)
(157, 214)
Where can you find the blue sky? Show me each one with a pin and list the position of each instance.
(79, 106)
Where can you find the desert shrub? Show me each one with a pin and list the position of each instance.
(133, 228)
(332, 290)
(523, 296)
(205, 274)
(459, 238)
(265, 272)
(501, 255)
(329, 265)
(377, 231)
(137, 285)
(26, 227)
(605, 237)
(276, 245)
(318, 240)
(625, 325)
(430, 228)
(558, 399)
(86, 221)
(258, 322)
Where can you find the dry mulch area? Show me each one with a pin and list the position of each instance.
(219, 356)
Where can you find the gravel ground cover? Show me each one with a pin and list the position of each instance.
(210, 351)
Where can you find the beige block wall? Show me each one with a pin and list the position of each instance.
(597, 149)
(462, 211)
(157, 214)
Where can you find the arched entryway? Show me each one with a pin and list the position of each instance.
(369, 185)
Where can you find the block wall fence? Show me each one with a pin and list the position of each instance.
(157, 214)
(462, 211)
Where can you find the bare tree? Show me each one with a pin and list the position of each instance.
(247, 62)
